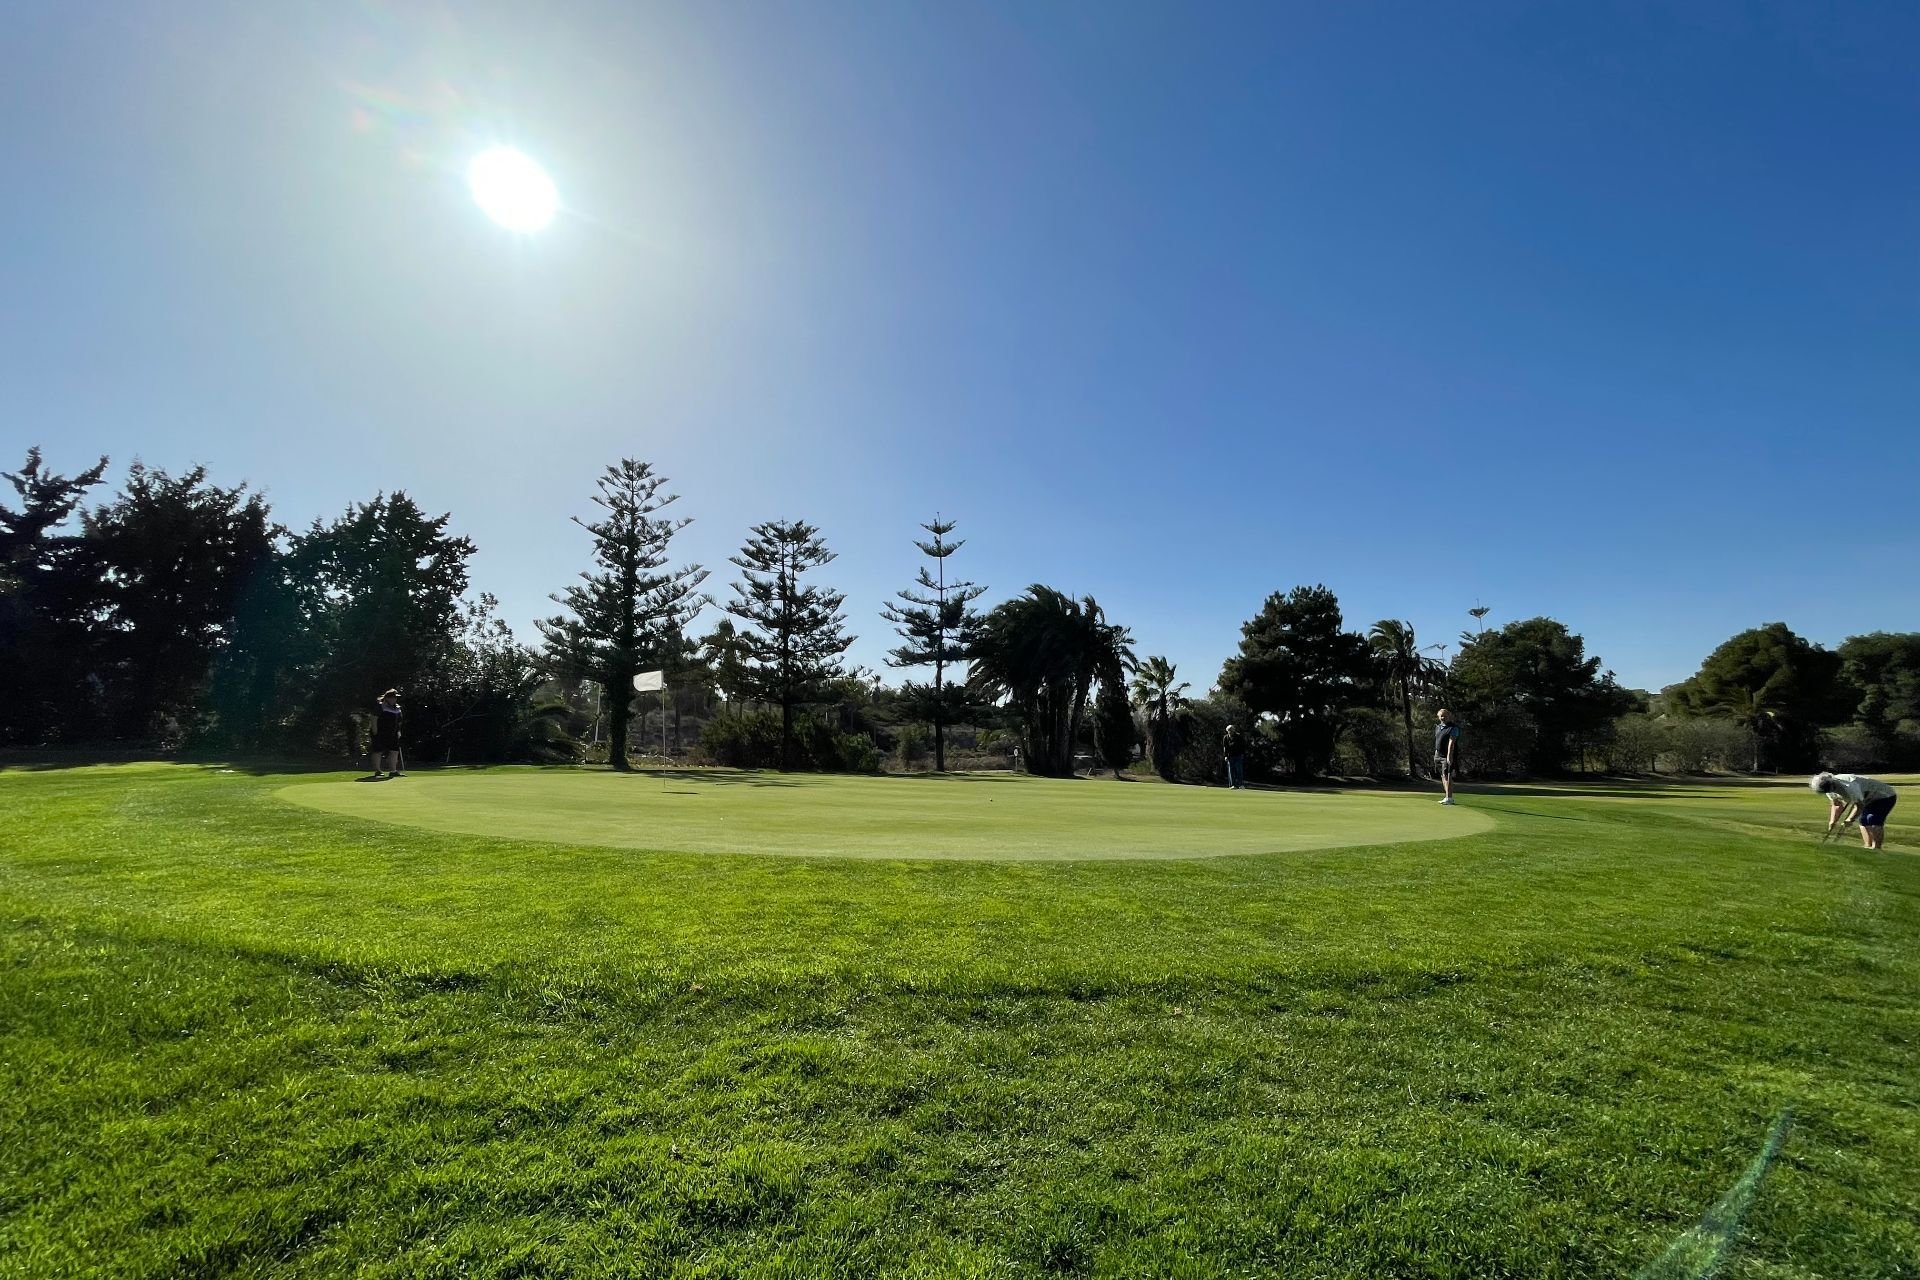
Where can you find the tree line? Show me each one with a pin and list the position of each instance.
(178, 612)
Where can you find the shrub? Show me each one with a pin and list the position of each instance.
(1497, 743)
(910, 752)
(1850, 748)
(751, 740)
(1638, 742)
(1704, 744)
(1199, 729)
(742, 739)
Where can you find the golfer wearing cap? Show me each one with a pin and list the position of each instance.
(386, 735)
(1854, 797)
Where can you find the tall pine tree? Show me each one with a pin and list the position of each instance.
(630, 605)
(796, 639)
(937, 622)
(48, 587)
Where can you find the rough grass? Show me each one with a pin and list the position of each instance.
(244, 1037)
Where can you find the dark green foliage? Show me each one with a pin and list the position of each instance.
(1637, 744)
(1194, 736)
(252, 692)
(1781, 687)
(379, 593)
(47, 593)
(727, 656)
(1160, 693)
(482, 703)
(937, 622)
(1706, 744)
(1113, 727)
(1041, 654)
(796, 636)
(1406, 674)
(759, 740)
(1852, 748)
(623, 615)
(1298, 664)
(1530, 700)
(1371, 743)
(176, 617)
(182, 564)
(1883, 670)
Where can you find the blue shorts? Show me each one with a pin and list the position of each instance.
(1874, 812)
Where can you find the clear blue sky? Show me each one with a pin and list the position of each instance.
(1607, 312)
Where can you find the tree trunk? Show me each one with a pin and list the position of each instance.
(1406, 707)
(939, 706)
(618, 714)
(786, 735)
(1074, 715)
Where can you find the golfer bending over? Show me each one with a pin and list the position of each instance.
(1851, 797)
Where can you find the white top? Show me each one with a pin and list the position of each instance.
(1856, 789)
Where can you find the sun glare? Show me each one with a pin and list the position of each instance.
(512, 190)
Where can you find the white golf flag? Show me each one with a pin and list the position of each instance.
(649, 681)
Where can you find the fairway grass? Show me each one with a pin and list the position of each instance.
(465, 1024)
(994, 816)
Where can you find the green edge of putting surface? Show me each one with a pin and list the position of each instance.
(962, 816)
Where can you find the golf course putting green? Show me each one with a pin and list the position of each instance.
(965, 816)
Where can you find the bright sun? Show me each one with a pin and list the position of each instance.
(513, 190)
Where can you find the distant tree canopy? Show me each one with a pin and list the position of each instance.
(176, 558)
(379, 597)
(1882, 671)
(1298, 664)
(46, 591)
(178, 612)
(1040, 655)
(1529, 696)
(1779, 686)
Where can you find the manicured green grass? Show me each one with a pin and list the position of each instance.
(997, 816)
(243, 1036)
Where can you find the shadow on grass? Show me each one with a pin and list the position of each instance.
(50, 761)
(1527, 813)
(723, 777)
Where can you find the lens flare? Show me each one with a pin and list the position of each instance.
(512, 190)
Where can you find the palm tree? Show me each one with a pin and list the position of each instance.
(1159, 692)
(1040, 654)
(1106, 657)
(1396, 653)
